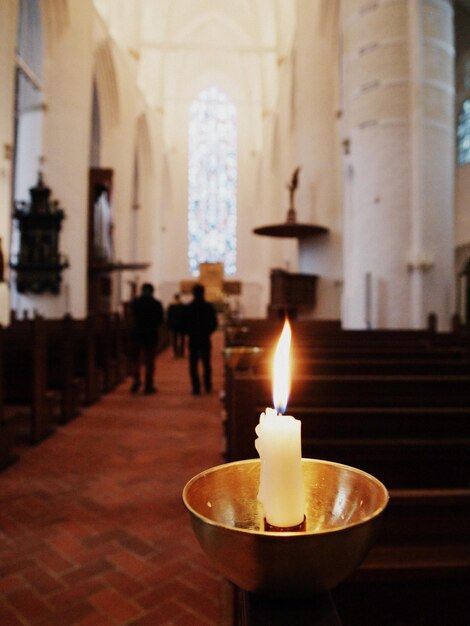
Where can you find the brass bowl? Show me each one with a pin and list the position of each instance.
(234, 332)
(343, 507)
(242, 357)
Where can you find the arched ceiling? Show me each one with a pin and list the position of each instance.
(180, 43)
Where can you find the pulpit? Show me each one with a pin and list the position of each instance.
(291, 293)
(39, 264)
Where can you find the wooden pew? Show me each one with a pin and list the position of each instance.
(7, 442)
(7, 430)
(355, 420)
(110, 349)
(431, 590)
(380, 365)
(84, 363)
(307, 334)
(418, 571)
(61, 368)
(401, 411)
(322, 332)
(102, 333)
(99, 353)
(25, 378)
(424, 536)
(118, 347)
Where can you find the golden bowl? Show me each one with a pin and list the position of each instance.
(242, 357)
(234, 332)
(343, 507)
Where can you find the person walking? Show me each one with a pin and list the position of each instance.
(147, 317)
(200, 322)
(175, 318)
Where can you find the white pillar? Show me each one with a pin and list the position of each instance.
(397, 79)
(315, 141)
(8, 29)
(66, 145)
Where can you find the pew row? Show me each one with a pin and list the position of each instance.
(7, 430)
(329, 332)
(418, 572)
(309, 363)
(310, 338)
(53, 367)
(60, 366)
(397, 428)
(394, 404)
(26, 395)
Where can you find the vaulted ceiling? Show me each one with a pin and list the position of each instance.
(181, 45)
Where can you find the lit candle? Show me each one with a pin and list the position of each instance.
(281, 489)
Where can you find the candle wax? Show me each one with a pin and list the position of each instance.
(281, 489)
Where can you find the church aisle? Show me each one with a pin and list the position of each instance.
(93, 531)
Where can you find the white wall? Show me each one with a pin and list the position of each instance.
(66, 145)
(317, 147)
(8, 17)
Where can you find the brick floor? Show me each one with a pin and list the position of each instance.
(93, 531)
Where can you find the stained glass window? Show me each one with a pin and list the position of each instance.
(463, 134)
(212, 188)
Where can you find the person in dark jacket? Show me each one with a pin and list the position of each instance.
(200, 323)
(175, 319)
(147, 317)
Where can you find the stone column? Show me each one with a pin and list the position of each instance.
(8, 29)
(315, 146)
(398, 96)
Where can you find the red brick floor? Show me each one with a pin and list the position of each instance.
(93, 531)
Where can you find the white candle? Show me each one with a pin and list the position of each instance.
(281, 489)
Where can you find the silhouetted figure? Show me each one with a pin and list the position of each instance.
(147, 317)
(176, 325)
(200, 323)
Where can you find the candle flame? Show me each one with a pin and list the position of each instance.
(281, 369)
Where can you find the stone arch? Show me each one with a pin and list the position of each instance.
(143, 145)
(56, 19)
(141, 174)
(208, 18)
(107, 84)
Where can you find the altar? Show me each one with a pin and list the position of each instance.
(217, 288)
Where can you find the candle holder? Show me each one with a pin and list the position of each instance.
(242, 357)
(343, 508)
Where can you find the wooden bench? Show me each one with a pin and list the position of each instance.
(362, 421)
(381, 365)
(418, 571)
(25, 378)
(61, 373)
(321, 332)
(307, 335)
(7, 430)
(118, 347)
(109, 335)
(399, 410)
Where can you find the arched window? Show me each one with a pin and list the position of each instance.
(29, 99)
(212, 184)
(463, 134)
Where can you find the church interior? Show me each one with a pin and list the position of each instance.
(264, 149)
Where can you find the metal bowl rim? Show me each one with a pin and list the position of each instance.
(286, 533)
(243, 350)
